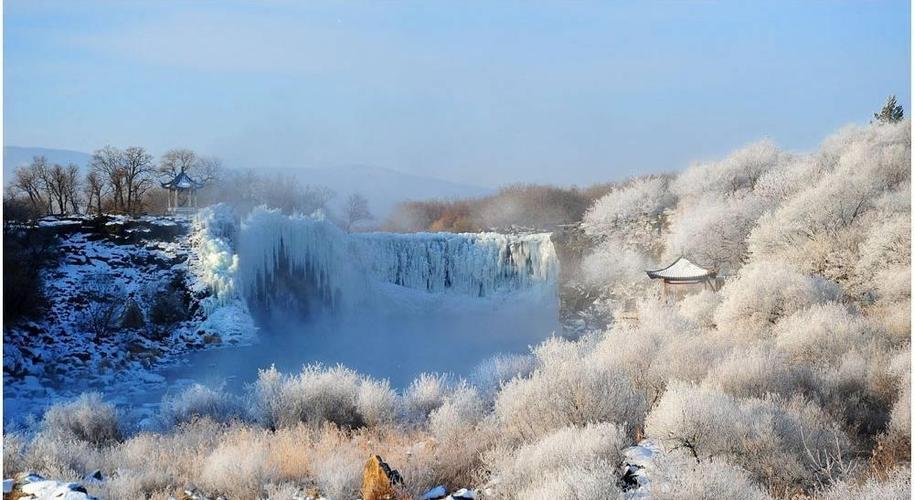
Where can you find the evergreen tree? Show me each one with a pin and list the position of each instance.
(891, 112)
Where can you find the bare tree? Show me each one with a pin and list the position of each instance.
(72, 185)
(175, 161)
(57, 186)
(356, 210)
(94, 189)
(207, 168)
(138, 169)
(108, 163)
(43, 174)
(29, 182)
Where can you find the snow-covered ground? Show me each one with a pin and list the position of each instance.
(122, 262)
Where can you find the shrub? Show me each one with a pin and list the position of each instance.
(851, 391)
(566, 391)
(738, 173)
(13, 453)
(424, 394)
(675, 476)
(896, 486)
(239, 466)
(712, 231)
(784, 443)
(822, 334)
(376, 403)
(574, 482)
(758, 371)
(765, 292)
(198, 401)
(700, 307)
(458, 415)
(87, 418)
(633, 215)
(565, 462)
(316, 395)
(492, 373)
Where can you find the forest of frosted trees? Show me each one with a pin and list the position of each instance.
(792, 381)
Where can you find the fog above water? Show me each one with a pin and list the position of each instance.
(385, 343)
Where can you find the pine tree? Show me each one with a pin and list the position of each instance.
(891, 112)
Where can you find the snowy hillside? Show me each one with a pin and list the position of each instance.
(123, 298)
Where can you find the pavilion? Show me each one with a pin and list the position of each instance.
(684, 272)
(182, 193)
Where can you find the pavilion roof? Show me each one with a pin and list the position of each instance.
(182, 181)
(682, 270)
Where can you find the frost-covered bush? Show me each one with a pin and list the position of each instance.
(660, 346)
(700, 307)
(316, 395)
(814, 235)
(616, 270)
(896, 487)
(887, 246)
(239, 466)
(455, 418)
(198, 401)
(633, 214)
(675, 476)
(712, 231)
(571, 462)
(781, 442)
(758, 371)
(424, 395)
(493, 372)
(823, 333)
(377, 402)
(765, 292)
(566, 390)
(881, 152)
(789, 178)
(13, 453)
(87, 418)
(462, 433)
(736, 174)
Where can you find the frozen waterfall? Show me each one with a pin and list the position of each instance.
(308, 261)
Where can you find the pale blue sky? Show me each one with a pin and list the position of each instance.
(480, 92)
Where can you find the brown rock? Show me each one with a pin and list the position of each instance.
(380, 482)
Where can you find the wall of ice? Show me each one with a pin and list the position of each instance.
(308, 261)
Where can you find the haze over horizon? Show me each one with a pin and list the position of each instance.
(481, 93)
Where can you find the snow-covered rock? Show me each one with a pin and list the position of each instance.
(35, 487)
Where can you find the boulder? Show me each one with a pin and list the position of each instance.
(380, 482)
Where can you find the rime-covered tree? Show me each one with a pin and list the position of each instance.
(356, 210)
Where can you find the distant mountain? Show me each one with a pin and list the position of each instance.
(15, 156)
(383, 187)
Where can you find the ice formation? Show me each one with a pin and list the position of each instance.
(306, 258)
